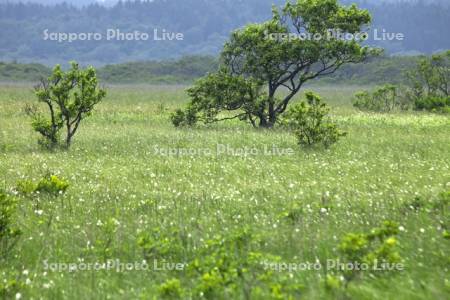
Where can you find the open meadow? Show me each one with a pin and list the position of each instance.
(224, 211)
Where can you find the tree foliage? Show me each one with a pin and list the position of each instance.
(221, 92)
(311, 122)
(429, 83)
(70, 97)
(386, 98)
(427, 88)
(256, 67)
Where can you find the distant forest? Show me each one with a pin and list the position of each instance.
(205, 24)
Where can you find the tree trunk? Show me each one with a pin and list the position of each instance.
(68, 140)
(69, 133)
(265, 122)
(268, 120)
(272, 115)
(262, 122)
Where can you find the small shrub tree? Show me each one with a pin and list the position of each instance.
(183, 117)
(429, 83)
(311, 123)
(70, 97)
(50, 184)
(384, 99)
(433, 103)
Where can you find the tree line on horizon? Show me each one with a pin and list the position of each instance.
(187, 69)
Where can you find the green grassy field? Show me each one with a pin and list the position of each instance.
(223, 214)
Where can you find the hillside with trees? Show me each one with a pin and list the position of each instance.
(205, 26)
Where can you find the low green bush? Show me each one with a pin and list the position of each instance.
(429, 83)
(49, 184)
(433, 104)
(181, 117)
(311, 122)
(386, 98)
(52, 184)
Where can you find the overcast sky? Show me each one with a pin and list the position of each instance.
(78, 1)
(110, 2)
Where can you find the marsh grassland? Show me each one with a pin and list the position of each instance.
(224, 225)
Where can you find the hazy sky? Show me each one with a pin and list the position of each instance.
(110, 2)
(84, 1)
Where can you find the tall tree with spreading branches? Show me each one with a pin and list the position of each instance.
(263, 66)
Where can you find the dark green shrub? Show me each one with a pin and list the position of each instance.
(384, 99)
(186, 117)
(433, 104)
(429, 83)
(311, 123)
